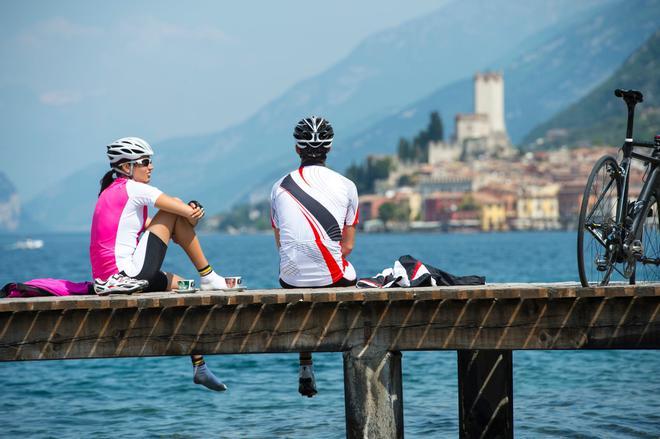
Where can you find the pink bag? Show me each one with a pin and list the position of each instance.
(46, 287)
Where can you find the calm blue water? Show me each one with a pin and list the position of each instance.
(592, 394)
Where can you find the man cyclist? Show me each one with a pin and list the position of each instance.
(314, 212)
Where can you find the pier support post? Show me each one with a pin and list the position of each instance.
(485, 394)
(373, 394)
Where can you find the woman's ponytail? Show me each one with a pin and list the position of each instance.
(107, 180)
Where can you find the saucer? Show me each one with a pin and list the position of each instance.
(191, 290)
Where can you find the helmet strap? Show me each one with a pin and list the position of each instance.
(118, 170)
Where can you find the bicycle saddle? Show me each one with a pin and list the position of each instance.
(629, 95)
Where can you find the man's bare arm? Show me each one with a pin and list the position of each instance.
(347, 240)
(277, 237)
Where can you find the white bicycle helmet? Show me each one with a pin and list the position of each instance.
(313, 132)
(128, 149)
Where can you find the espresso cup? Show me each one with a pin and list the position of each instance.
(186, 284)
(233, 281)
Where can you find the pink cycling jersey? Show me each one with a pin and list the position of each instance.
(119, 217)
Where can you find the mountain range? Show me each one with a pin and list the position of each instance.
(543, 76)
(599, 117)
(551, 53)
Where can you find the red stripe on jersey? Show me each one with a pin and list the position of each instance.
(335, 271)
(303, 209)
(300, 170)
(357, 218)
(416, 269)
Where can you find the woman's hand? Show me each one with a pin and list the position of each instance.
(197, 213)
(179, 207)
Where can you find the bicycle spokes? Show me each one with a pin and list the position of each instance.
(648, 260)
(599, 236)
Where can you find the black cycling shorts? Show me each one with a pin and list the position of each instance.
(147, 260)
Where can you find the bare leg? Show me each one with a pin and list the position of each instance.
(173, 281)
(306, 380)
(167, 226)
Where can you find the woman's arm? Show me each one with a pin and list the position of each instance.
(347, 240)
(178, 207)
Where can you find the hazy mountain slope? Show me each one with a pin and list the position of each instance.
(381, 75)
(13, 217)
(546, 74)
(10, 206)
(600, 116)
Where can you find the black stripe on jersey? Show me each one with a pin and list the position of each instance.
(322, 215)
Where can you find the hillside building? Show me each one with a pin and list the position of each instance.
(482, 133)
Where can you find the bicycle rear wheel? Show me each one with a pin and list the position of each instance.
(648, 268)
(596, 251)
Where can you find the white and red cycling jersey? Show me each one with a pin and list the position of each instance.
(119, 218)
(310, 207)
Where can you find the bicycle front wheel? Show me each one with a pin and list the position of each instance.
(647, 269)
(596, 252)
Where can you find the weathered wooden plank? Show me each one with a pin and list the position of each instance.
(331, 295)
(621, 322)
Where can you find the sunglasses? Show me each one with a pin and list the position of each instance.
(142, 162)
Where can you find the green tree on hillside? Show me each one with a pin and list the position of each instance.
(417, 150)
(436, 130)
(390, 211)
(365, 175)
(405, 152)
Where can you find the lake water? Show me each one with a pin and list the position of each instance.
(582, 394)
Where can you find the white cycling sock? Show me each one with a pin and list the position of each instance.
(213, 281)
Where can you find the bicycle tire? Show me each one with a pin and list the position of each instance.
(645, 271)
(601, 197)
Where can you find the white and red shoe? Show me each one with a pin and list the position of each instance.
(119, 284)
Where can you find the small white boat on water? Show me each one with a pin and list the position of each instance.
(27, 244)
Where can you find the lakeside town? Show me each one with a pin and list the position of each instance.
(473, 181)
(531, 191)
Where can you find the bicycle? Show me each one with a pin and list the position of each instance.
(619, 237)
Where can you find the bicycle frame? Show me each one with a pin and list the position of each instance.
(621, 234)
(649, 187)
(632, 98)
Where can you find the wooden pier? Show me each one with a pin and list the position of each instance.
(371, 327)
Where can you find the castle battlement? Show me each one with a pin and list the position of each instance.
(489, 76)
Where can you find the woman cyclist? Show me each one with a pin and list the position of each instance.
(127, 248)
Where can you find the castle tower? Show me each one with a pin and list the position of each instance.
(489, 99)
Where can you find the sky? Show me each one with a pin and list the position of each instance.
(88, 72)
